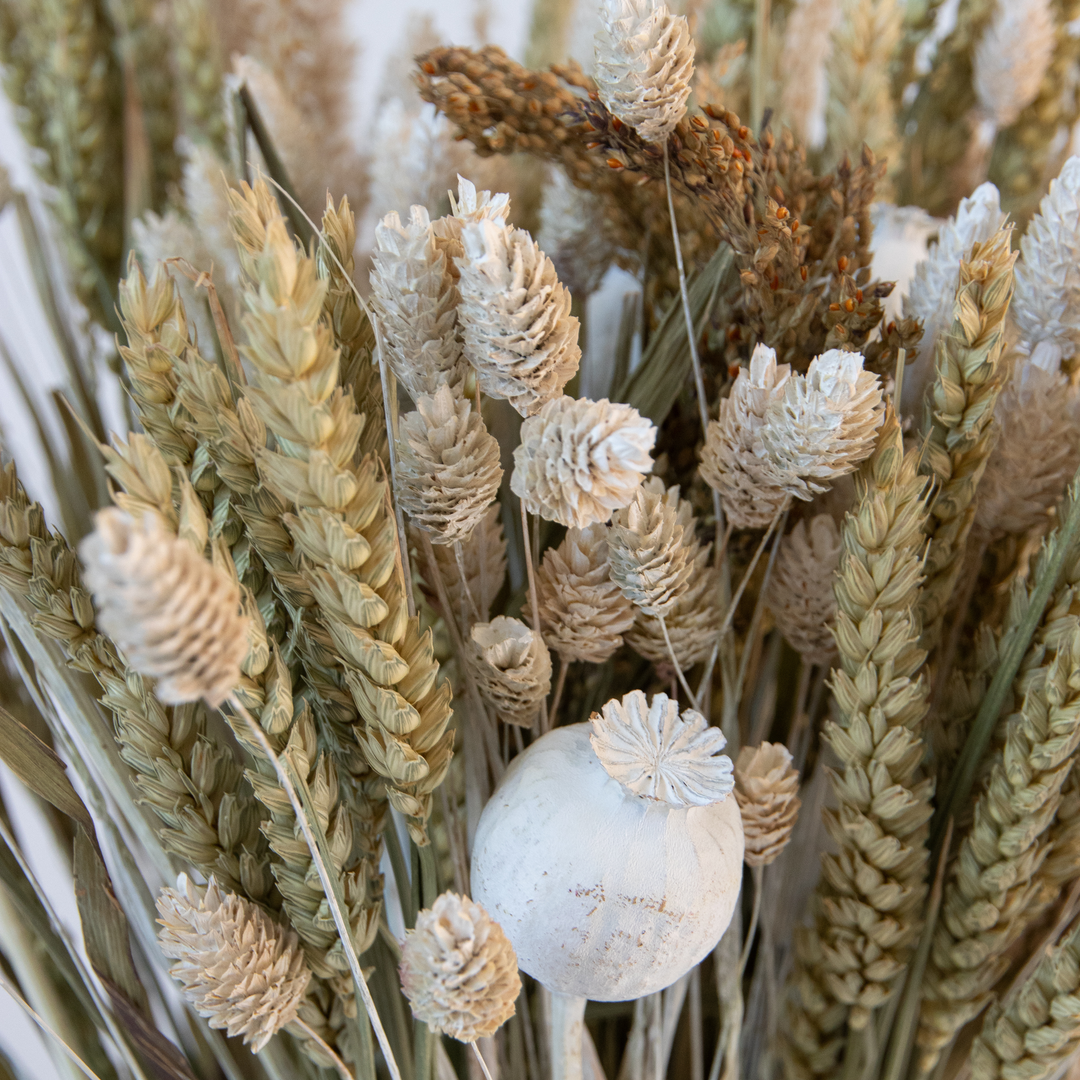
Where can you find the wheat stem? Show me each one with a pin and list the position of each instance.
(329, 884)
(315, 1037)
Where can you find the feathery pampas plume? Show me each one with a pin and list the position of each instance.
(767, 790)
(448, 466)
(579, 460)
(459, 970)
(238, 968)
(515, 316)
(801, 588)
(1046, 307)
(781, 435)
(174, 616)
(583, 613)
(644, 65)
(512, 668)
(1011, 59)
(651, 547)
(806, 50)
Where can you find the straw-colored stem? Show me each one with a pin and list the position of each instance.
(758, 874)
(330, 887)
(697, 1040)
(459, 558)
(675, 663)
(534, 601)
(480, 1058)
(738, 596)
(24, 1005)
(315, 1037)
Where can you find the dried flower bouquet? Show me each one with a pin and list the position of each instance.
(471, 594)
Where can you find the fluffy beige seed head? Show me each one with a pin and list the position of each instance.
(644, 65)
(651, 548)
(801, 588)
(1037, 452)
(1046, 306)
(731, 459)
(237, 967)
(823, 424)
(515, 316)
(173, 615)
(459, 970)
(579, 460)
(415, 297)
(583, 613)
(512, 668)
(691, 623)
(448, 466)
(767, 788)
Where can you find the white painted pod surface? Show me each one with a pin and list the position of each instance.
(603, 893)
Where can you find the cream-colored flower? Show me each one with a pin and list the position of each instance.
(658, 754)
(448, 466)
(579, 460)
(731, 459)
(512, 668)
(572, 234)
(692, 622)
(767, 788)
(823, 424)
(237, 967)
(515, 316)
(173, 615)
(459, 970)
(801, 588)
(644, 65)
(583, 613)
(933, 288)
(651, 548)
(416, 301)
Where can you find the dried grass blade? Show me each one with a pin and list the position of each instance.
(658, 379)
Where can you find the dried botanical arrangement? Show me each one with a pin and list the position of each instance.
(580, 587)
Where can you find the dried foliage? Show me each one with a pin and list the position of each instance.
(312, 527)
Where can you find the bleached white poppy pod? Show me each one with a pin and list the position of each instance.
(644, 64)
(611, 852)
